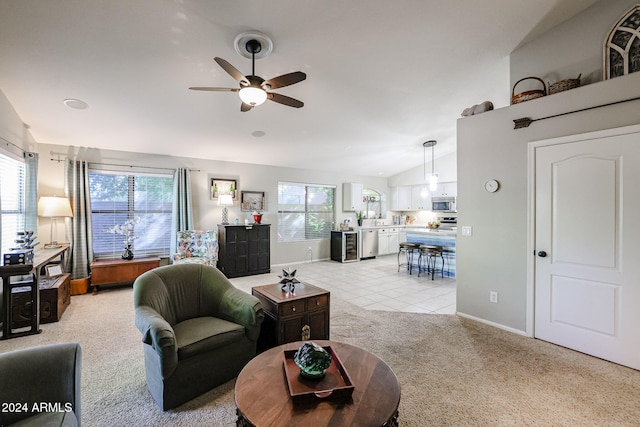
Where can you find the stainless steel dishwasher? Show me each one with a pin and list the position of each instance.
(369, 239)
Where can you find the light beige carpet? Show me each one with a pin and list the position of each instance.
(452, 371)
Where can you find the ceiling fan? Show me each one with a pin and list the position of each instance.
(254, 90)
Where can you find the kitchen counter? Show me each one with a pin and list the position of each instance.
(444, 238)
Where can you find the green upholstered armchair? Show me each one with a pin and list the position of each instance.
(198, 330)
(43, 384)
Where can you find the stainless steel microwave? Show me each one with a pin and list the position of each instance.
(443, 204)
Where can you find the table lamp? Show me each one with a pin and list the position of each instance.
(54, 207)
(225, 200)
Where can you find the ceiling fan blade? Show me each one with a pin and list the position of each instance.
(245, 107)
(284, 100)
(285, 80)
(215, 89)
(233, 71)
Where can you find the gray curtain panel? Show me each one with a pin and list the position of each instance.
(79, 227)
(182, 214)
(31, 191)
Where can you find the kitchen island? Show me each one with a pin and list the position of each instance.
(444, 238)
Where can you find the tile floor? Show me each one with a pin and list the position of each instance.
(373, 284)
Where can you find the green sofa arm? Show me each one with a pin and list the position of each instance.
(240, 307)
(159, 334)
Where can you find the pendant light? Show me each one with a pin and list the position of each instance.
(433, 178)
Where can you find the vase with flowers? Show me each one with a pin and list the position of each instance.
(127, 229)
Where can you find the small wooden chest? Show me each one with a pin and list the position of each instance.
(55, 297)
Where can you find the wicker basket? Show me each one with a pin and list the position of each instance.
(529, 94)
(563, 85)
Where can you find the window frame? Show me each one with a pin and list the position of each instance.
(19, 210)
(307, 213)
(132, 213)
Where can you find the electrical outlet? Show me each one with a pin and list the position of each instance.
(467, 230)
(493, 297)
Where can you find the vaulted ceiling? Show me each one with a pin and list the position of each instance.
(382, 76)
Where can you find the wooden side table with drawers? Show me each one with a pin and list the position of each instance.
(298, 316)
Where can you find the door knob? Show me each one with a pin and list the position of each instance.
(542, 254)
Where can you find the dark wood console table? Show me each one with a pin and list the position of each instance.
(262, 395)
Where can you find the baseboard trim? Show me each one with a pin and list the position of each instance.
(494, 324)
(298, 263)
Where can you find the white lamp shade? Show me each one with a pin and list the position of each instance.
(253, 95)
(225, 200)
(54, 207)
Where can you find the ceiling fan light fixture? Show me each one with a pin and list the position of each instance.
(253, 95)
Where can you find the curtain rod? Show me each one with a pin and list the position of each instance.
(7, 142)
(125, 166)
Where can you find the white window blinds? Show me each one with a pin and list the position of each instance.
(145, 200)
(12, 187)
(305, 211)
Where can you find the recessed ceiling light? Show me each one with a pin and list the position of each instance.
(76, 104)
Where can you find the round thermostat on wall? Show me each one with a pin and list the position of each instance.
(491, 185)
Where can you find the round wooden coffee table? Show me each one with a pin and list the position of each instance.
(263, 399)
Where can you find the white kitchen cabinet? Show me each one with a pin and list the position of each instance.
(394, 240)
(401, 198)
(446, 189)
(420, 198)
(387, 241)
(352, 196)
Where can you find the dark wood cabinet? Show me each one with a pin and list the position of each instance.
(298, 316)
(55, 297)
(244, 250)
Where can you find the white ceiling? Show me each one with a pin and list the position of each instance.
(382, 76)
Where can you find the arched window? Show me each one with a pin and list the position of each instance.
(622, 47)
(372, 203)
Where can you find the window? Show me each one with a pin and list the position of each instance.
(305, 211)
(144, 199)
(12, 187)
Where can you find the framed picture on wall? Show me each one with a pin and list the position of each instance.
(252, 201)
(223, 186)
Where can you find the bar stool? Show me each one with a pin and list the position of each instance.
(409, 249)
(430, 254)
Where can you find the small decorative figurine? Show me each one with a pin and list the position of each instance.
(288, 280)
(312, 360)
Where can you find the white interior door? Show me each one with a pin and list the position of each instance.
(587, 217)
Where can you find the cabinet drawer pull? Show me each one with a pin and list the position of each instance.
(317, 302)
(293, 308)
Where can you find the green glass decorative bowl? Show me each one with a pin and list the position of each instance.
(312, 360)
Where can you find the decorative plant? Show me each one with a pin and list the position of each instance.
(126, 229)
(360, 215)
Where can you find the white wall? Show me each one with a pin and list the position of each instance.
(495, 258)
(572, 48)
(206, 213)
(13, 130)
(445, 166)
